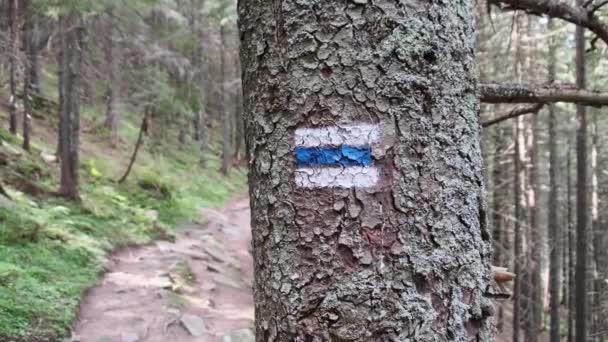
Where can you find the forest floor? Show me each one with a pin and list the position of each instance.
(197, 288)
(52, 250)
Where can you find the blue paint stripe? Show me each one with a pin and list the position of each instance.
(333, 156)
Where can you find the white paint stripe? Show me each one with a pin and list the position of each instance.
(356, 135)
(359, 176)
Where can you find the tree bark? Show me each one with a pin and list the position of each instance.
(226, 114)
(399, 251)
(581, 191)
(555, 232)
(72, 39)
(12, 19)
(541, 93)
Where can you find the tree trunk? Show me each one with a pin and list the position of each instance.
(33, 54)
(143, 129)
(12, 19)
(28, 47)
(240, 127)
(112, 92)
(366, 185)
(72, 38)
(225, 113)
(519, 290)
(555, 232)
(599, 244)
(571, 247)
(581, 193)
(204, 138)
(535, 244)
(500, 203)
(521, 287)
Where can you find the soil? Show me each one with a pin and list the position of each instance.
(197, 288)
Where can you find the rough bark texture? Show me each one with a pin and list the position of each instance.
(555, 231)
(581, 194)
(540, 93)
(407, 259)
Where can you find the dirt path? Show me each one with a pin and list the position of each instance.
(196, 289)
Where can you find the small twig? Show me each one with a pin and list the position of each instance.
(597, 7)
(587, 3)
(519, 111)
(592, 43)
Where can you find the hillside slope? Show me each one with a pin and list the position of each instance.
(52, 250)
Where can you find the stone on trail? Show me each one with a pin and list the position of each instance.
(193, 324)
(242, 335)
(129, 337)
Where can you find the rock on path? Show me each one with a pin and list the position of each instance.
(196, 289)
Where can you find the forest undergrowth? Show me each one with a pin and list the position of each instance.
(52, 250)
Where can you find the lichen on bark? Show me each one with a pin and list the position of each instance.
(408, 258)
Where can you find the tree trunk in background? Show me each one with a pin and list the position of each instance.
(520, 291)
(72, 38)
(13, 27)
(200, 81)
(500, 202)
(520, 218)
(113, 87)
(535, 244)
(225, 113)
(555, 232)
(600, 328)
(581, 193)
(535, 298)
(240, 124)
(33, 53)
(28, 45)
(204, 138)
(389, 242)
(571, 247)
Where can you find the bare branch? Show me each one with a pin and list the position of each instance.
(558, 9)
(519, 111)
(540, 93)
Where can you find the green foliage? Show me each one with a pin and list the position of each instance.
(52, 250)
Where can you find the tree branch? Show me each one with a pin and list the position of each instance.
(519, 111)
(540, 93)
(557, 9)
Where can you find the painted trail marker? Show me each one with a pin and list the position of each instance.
(336, 157)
